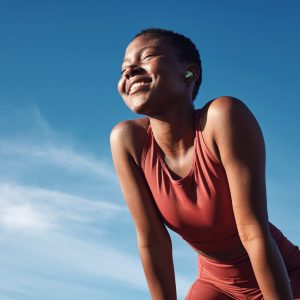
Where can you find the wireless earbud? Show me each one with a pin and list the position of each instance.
(188, 74)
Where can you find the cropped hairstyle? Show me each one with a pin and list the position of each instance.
(186, 49)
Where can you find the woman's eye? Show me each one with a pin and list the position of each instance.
(145, 57)
(148, 56)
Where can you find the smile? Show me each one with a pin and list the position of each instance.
(136, 86)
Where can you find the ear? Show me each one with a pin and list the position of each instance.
(194, 69)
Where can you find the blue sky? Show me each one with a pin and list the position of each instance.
(65, 232)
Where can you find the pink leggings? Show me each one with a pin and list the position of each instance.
(235, 279)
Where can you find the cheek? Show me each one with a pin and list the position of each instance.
(166, 72)
(121, 86)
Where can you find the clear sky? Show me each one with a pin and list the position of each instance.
(65, 232)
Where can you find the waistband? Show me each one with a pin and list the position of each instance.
(235, 268)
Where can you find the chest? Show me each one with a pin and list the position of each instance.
(179, 168)
(198, 203)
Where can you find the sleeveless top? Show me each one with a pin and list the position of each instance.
(198, 206)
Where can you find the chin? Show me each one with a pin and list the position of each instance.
(139, 104)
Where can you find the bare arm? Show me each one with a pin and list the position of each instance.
(242, 151)
(153, 239)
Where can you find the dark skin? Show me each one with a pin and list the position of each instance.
(165, 97)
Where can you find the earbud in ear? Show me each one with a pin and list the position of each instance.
(188, 74)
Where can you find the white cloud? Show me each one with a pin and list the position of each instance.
(28, 208)
(59, 155)
(30, 141)
(22, 217)
(50, 221)
(65, 255)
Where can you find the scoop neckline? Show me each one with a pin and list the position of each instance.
(163, 164)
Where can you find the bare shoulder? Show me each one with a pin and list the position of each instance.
(223, 117)
(235, 130)
(223, 105)
(225, 109)
(131, 136)
(229, 111)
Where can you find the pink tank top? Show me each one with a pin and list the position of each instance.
(198, 206)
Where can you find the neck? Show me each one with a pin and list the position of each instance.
(174, 131)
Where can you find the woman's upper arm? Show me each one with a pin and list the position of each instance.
(242, 150)
(149, 226)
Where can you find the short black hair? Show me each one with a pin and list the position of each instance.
(186, 49)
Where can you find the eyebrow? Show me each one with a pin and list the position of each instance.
(140, 51)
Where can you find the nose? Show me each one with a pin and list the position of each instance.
(132, 71)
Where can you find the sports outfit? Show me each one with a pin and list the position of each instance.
(199, 208)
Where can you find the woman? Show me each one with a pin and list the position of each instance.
(201, 172)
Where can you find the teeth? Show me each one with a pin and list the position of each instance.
(135, 85)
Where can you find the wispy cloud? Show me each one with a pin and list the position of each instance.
(61, 217)
(27, 137)
(22, 217)
(38, 173)
(33, 208)
(48, 152)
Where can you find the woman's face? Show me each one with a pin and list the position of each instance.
(152, 75)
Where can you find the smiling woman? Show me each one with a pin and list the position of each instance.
(155, 67)
(201, 172)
